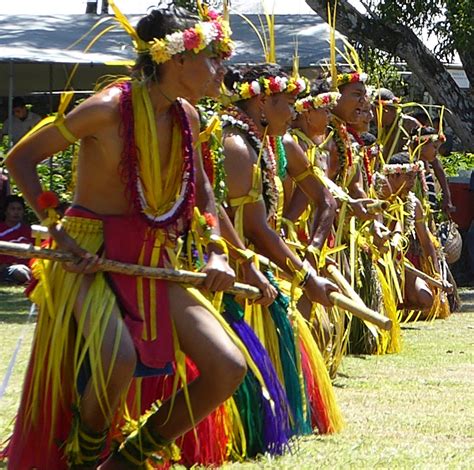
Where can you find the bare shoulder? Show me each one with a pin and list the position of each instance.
(237, 147)
(96, 113)
(192, 114)
(290, 144)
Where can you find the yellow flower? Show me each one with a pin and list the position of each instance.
(245, 91)
(291, 85)
(158, 51)
(266, 86)
(202, 42)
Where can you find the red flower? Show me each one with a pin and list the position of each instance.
(355, 77)
(210, 219)
(47, 200)
(274, 86)
(191, 39)
(212, 14)
(220, 32)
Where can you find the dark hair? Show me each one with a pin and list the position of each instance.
(18, 102)
(399, 158)
(368, 139)
(250, 72)
(384, 94)
(11, 199)
(423, 118)
(424, 130)
(156, 25)
(319, 86)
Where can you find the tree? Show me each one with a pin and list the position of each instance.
(394, 26)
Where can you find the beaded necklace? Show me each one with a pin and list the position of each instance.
(234, 117)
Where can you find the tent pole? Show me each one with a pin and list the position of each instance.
(50, 112)
(10, 105)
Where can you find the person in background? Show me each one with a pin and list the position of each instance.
(14, 230)
(23, 120)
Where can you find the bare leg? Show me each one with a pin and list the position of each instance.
(221, 365)
(123, 367)
(418, 295)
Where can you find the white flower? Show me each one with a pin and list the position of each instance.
(301, 84)
(255, 87)
(175, 43)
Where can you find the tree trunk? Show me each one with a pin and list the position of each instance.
(401, 41)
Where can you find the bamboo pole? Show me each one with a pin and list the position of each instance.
(447, 287)
(343, 284)
(360, 311)
(377, 207)
(22, 250)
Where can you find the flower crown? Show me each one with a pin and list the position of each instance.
(428, 138)
(353, 77)
(321, 101)
(213, 31)
(270, 86)
(393, 102)
(402, 168)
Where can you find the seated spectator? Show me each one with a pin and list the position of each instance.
(14, 230)
(23, 120)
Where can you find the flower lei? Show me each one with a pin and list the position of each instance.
(280, 154)
(213, 157)
(345, 78)
(321, 101)
(215, 31)
(232, 116)
(365, 153)
(409, 222)
(183, 206)
(343, 146)
(270, 86)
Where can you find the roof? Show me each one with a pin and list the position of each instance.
(31, 38)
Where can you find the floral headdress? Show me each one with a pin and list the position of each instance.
(424, 138)
(213, 31)
(351, 77)
(403, 168)
(321, 101)
(270, 86)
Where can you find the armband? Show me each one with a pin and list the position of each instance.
(65, 132)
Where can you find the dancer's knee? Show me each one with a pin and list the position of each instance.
(226, 372)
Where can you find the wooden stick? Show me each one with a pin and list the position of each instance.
(430, 280)
(360, 311)
(343, 284)
(21, 250)
(377, 206)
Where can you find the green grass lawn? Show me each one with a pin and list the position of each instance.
(410, 410)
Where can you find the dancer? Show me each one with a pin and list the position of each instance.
(139, 180)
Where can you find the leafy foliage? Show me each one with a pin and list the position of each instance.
(55, 174)
(381, 70)
(451, 21)
(456, 162)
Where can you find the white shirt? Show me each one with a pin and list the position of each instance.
(19, 127)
